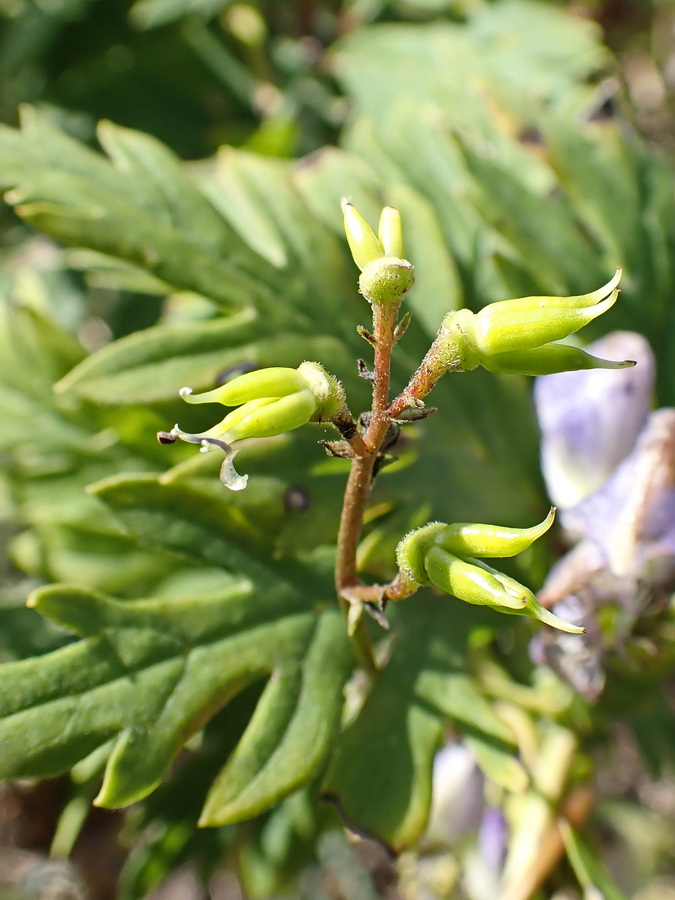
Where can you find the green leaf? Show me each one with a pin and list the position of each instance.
(152, 365)
(380, 776)
(291, 732)
(151, 672)
(170, 194)
(34, 351)
(542, 230)
(591, 873)
(135, 210)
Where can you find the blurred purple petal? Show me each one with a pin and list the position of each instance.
(603, 448)
(590, 420)
(576, 658)
(457, 795)
(492, 838)
(632, 518)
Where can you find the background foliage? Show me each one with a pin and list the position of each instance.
(182, 650)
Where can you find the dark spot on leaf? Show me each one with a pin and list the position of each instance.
(296, 499)
(531, 136)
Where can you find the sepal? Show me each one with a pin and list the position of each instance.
(386, 280)
(413, 548)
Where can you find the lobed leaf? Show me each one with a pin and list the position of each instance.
(149, 673)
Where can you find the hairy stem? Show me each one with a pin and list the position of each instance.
(360, 479)
(424, 379)
(384, 326)
(356, 496)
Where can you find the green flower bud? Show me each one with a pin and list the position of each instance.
(266, 417)
(385, 277)
(272, 382)
(548, 360)
(532, 608)
(463, 539)
(580, 301)
(475, 582)
(390, 233)
(362, 240)
(269, 402)
(529, 322)
(445, 556)
(470, 582)
(515, 337)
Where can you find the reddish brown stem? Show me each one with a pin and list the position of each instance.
(360, 478)
(426, 376)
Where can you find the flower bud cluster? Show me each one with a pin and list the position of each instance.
(518, 336)
(385, 276)
(450, 557)
(268, 402)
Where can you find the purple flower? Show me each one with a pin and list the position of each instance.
(591, 419)
(610, 465)
(493, 838)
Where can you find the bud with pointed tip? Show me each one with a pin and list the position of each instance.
(517, 336)
(493, 541)
(385, 276)
(470, 582)
(512, 325)
(269, 402)
(550, 359)
(445, 556)
(363, 242)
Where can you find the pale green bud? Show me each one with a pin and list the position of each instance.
(272, 382)
(529, 322)
(265, 418)
(385, 277)
(516, 336)
(445, 556)
(580, 301)
(362, 240)
(470, 582)
(269, 402)
(548, 360)
(532, 608)
(390, 232)
(493, 541)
